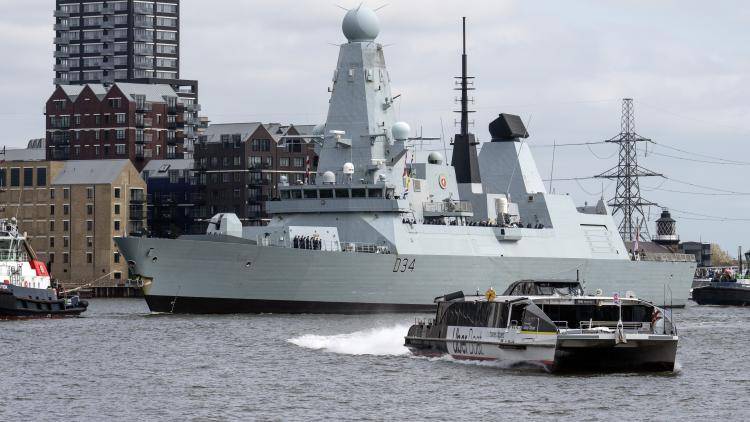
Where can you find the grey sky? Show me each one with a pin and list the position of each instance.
(562, 66)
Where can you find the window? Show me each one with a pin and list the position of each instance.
(174, 176)
(89, 241)
(117, 209)
(2, 177)
(52, 210)
(261, 145)
(66, 226)
(52, 225)
(15, 177)
(283, 161)
(66, 209)
(66, 242)
(65, 258)
(41, 176)
(117, 225)
(297, 162)
(117, 257)
(51, 257)
(89, 193)
(118, 275)
(89, 209)
(52, 193)
(89, 258)
(120, 133)
(115, 103)
(117, 192)
(51, 242)
(89, 225)
(66, 193)
(120, 149)
(120, 118)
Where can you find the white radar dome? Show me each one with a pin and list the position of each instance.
(329, 178)
(401, 131)
(348, 168)
(435, 158)
(360, 24)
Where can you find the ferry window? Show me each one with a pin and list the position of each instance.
(534, 319)
(296, 194)
(497, 315)
(15, 177)
(41, 176)
(342, 193)
(284, 194)
(358, 193)
(326, 193)
(375, 193)
(468, 314)
(311, 193)
(28, 177)
(2, 177)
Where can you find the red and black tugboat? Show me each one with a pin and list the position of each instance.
(25, 289)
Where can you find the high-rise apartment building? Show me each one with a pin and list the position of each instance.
(108, 41)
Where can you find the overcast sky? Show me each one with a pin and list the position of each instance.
(562, 66)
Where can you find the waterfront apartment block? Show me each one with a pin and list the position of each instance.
(110, 41)
(173, 191)
(71, 210)
(239, 166)
(124, 120)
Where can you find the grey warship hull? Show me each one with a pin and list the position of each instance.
(217, 275)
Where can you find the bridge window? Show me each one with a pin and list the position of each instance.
(326, 193)
(358, 193)
(342, 193)
(375, 193)
(311, 193)
(296, 194)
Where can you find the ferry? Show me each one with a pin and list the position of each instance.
(25, 287)
(549, 324)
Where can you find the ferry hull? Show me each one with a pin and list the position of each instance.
(232, 276)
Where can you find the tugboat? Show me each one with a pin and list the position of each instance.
(25, 289)
(725, 289)
(549, 324)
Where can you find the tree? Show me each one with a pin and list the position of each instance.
(720, 257)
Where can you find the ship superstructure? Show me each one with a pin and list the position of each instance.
(380, 229)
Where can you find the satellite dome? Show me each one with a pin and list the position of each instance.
(435, 158)
(348, 168)
(318, 130)
(360, 24)
(329, 178)
(401, 131)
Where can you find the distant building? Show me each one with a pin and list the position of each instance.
(135, 121)
(239, 166)
(111, 41)
(71, 211)
(666, 230)
(172, 194)
(701, 251)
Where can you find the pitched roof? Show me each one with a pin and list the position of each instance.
(160, 168)
(214, 131)
(24, 154)
(90, 172)
(154, 93)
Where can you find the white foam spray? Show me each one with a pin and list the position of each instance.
(381, 341)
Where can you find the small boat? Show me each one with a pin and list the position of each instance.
(25, 288)
(549, 324)
(732, 292)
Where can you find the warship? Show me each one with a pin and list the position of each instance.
(381, 226)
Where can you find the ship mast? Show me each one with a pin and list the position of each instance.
(464, 158)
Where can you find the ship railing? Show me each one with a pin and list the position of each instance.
(14, 256)
(324, 245)
(667, 257)
(634, 326)
(447, 206)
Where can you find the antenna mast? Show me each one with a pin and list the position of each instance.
(628, 200)
(464, 158)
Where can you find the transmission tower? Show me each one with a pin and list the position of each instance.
(628, 200)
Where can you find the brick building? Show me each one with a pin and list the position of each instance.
(125, 120)
(239, 166)
(172, 193)
(71, 211)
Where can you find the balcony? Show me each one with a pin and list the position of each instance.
(137, 197)
(142, 9)
(108, 10)
(143, 122)
(60, 81)
(109, 50)
(108, 79)
(108, 65)
(61, 54)
(61, 14)
(110, 24)
(143, 37)
(143, 65)
(109, 38)
(144, 23)
(62, 40)
(137, 214)
(193, 107)
(62, 26)
(142, 106)
(61, 67)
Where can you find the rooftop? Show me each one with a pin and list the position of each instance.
(77, 172)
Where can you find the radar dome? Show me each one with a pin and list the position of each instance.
(401, 131)
(435, 158)
(329, 178)
(348, 168)
(360, 24)
(318, 130)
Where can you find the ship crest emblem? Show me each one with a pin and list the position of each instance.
(443, 181)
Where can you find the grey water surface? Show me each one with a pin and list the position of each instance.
(121, 363)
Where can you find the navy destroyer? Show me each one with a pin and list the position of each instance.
(381, 228)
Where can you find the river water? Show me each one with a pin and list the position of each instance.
(121, 363)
